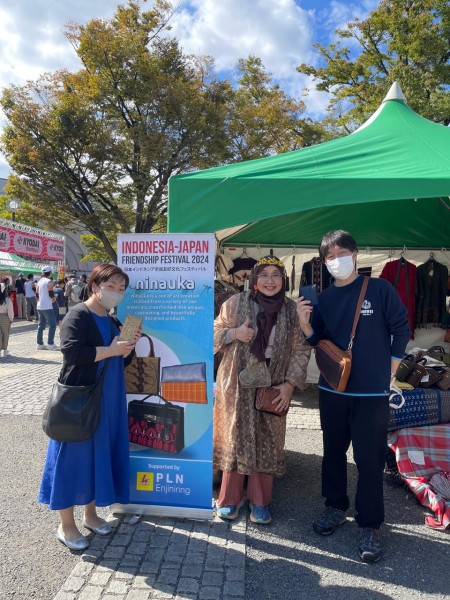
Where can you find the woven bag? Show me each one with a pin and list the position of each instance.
(415, 376)
(444, 382)
(439, 353)
(404, 368)
(434, 375)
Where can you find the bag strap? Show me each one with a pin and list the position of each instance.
(358, 310)
(151, 352)
(107, 360)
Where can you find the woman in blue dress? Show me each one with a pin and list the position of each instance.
(94, 472)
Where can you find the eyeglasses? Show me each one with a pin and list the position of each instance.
(273, 277)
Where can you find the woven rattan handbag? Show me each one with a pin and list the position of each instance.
(415, 376)
(444, 382)
(405, 367)
(434, 375)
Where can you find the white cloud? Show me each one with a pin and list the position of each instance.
(278, 31)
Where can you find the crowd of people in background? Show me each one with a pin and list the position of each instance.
(39, 298)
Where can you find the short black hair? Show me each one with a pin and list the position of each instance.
(340, 238)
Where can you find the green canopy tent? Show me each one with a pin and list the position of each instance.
(11, 263)
(388, 183)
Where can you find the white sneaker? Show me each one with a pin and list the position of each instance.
(41, 347)
(6, 353)
(52, 346)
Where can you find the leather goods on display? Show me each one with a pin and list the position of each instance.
(255, 375)
(416, 375)
(157, 426)
(184, 383)
(264, 398)
(72, 413)
(142, 374)
(334, 363)
(444, 382)
(404, 368)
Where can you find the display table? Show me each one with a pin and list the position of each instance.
(422, 407)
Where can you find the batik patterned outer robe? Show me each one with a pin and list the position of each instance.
(247, 440)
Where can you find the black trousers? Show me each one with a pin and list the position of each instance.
(362, 421)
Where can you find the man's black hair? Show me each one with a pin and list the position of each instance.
(339, 238)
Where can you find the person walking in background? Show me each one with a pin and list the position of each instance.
(93, 472)
(72, 291)
(60, 303)
(360, 414)
(20, 297)
(6, 319)
(45, 311)
(30, 297)
(84, 294)
(259, 325)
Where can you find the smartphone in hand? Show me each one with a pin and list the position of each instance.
(130, 328)
(309, 292)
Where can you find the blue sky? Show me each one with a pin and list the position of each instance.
(281, 32)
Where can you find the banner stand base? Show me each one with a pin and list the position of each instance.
(179, 512)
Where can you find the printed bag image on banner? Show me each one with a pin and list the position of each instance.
(184, 383)
(169, 381)
(156, 426)
(142, 374)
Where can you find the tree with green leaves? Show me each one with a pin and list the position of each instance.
(401, 40)
(263, 119)
(94, 150)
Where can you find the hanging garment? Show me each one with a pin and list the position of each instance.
(315, 272)
(432, 278)
(241, 270)
(403, 276)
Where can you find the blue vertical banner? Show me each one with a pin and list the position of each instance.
(170, 381)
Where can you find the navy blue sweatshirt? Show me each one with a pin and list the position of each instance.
(382, 332)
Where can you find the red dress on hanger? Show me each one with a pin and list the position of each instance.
(403, 276)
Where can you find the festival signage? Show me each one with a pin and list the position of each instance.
(170, 384)
(42, 247)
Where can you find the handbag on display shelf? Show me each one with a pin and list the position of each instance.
(184, 383)
(157, 426)
(142, 374)
(334, 363)
(416, 375)
(263, 401)
(433, 374)
(444, 382)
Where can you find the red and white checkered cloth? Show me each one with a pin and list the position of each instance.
(420, 452)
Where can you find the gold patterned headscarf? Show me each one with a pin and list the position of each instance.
(270, 305)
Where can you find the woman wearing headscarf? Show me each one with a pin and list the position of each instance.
(254, 327)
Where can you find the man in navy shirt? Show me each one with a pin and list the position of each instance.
(360, 414)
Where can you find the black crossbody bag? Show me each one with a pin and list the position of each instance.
(73, 412)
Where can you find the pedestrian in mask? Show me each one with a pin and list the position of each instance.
(360, 414)
(94, 472)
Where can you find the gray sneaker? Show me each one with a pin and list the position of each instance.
(41, 347)
(329, 521)
(370, 548)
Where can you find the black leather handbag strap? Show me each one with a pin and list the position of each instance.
(358, 311)
(107, 360)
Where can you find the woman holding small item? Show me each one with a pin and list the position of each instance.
(93, 472)
(256, 328)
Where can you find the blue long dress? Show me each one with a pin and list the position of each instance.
(75, 473)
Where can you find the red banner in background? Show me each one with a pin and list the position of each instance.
(30, 244)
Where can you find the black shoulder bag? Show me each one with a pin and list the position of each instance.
(72, 413)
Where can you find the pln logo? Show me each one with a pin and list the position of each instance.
(144, 481)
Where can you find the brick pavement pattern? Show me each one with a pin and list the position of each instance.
(157, 558)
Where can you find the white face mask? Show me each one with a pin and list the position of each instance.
(109, 299)
(341, 267)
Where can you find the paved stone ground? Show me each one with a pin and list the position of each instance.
(158, 558)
